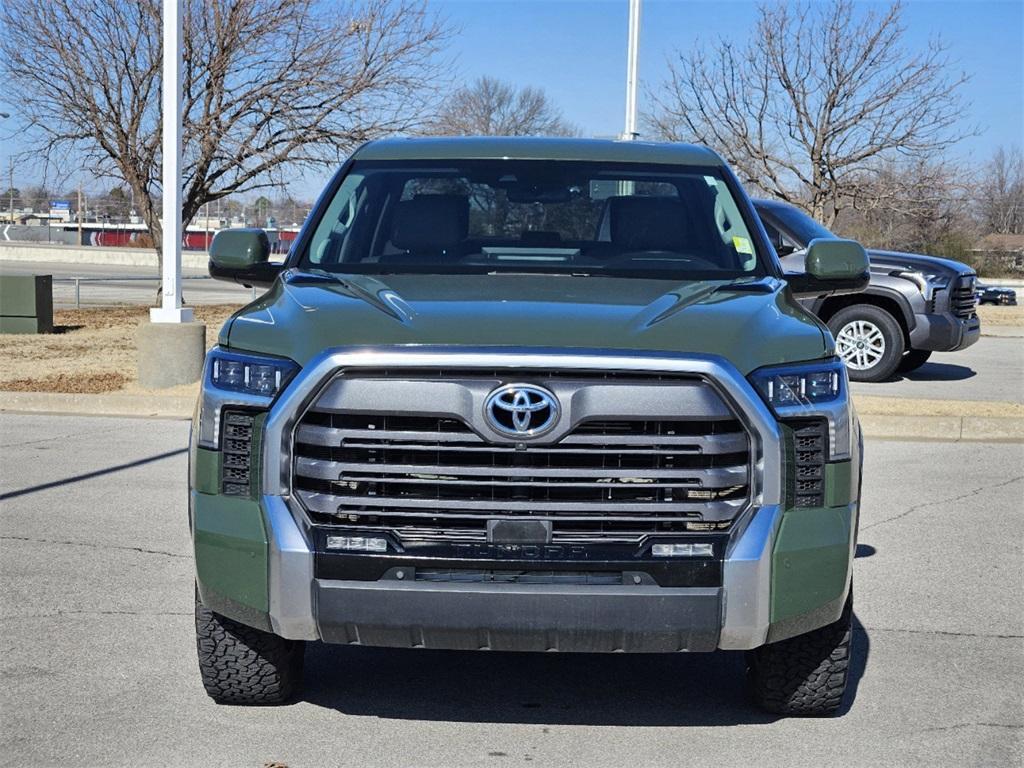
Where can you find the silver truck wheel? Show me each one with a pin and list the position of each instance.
(869, 340)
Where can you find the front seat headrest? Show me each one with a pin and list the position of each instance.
(648, 223)
(430, 223)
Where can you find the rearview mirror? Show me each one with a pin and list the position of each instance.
(243, 256)
(833, 266)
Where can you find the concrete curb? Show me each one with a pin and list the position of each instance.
(945, 428)
(878, 426)
(116, 404)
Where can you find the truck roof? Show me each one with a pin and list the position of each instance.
(535, 148)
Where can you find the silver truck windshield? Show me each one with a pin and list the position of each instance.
(547, 216)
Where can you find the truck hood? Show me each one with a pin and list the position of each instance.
(917, 261)
(751, 324)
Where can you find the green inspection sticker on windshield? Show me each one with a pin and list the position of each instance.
(742, 245)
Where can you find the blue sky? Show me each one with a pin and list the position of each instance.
(576, 51)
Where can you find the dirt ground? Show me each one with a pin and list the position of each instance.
(992, 314)
(91, 351)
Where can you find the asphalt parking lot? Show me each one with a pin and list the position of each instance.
(98, 661)
(992, 369)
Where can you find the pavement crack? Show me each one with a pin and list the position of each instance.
(97, 546)
(39, 441)
(938, 632)
(970, 725)
(933, 502)
(60, 613)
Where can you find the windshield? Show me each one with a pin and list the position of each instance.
(533, 216)
(794, 221)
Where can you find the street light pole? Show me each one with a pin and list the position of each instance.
(171, 346)
(631, 70)
(171, 310)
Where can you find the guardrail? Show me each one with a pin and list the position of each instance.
(77, 282)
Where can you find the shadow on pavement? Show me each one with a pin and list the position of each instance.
(858, 663)
(698, 689)
(90, 475)
(939, 372)
(865, 550)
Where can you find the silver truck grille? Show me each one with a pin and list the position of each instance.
(428, 478)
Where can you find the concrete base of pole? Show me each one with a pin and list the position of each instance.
(170, 353)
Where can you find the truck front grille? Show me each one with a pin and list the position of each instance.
(963, 301)
(810, 441)
(236, 453)
(424, 478)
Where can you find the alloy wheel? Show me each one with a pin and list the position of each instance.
(861, 344)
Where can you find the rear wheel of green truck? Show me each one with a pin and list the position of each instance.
(243, 665)
(804, 675)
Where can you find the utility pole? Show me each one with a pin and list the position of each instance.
(10, 208)
(632, 77)
(79, 213)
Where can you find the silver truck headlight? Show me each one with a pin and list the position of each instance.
(818, 389)
(238, 379)
(927, 282)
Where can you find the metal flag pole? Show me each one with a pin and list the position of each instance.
(171, 310)
(631, 70)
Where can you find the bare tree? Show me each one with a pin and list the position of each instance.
(1001, 193)
(912, 205)
(490, 107)
(818, 98)
(269, 86)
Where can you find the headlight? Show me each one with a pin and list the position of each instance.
(263, 376)
(237, 379)
(927, 282)
(809, 390)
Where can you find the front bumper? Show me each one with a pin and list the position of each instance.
(529, 617)
(408, 613)
(944, 332)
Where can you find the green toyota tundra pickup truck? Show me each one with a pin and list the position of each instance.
(528, 395)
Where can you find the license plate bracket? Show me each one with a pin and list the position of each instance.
(519, 531)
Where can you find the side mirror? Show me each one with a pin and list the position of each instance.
(243, 256)
(833, 266)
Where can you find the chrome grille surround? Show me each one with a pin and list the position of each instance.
(723, 379)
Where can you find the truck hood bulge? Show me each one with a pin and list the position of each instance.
(751, 324)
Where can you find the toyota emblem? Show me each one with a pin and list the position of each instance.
(521, 410)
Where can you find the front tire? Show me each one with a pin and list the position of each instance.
(805, 675)
(869, 340)
(243, 665)
(913, 360)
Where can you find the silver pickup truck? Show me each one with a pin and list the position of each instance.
(913, 306)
